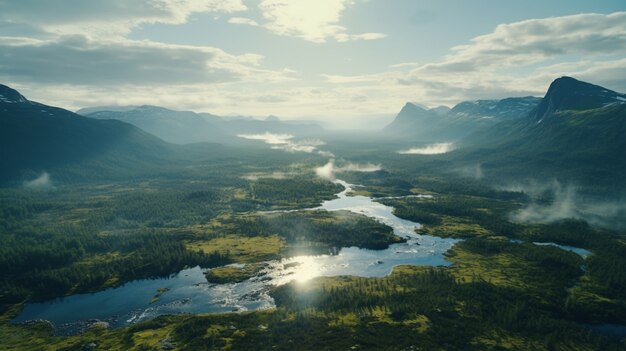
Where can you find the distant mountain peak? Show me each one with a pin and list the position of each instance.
(411, 106)
(272, 118)
(148, 108)
(568, 85)
(11, 96)
(567, 93)
(507, 108)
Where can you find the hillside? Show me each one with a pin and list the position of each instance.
(576, 132)
(36, 138)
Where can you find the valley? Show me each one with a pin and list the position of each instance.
(340, 243)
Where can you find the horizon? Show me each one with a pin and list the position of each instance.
(374, 123)
(344, 62)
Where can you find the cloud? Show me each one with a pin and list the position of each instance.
(405, 64)
(326, 171)
(329, 170)
(40, 183)
(242, 20)
(565, 202)
(472, 171)
(535, 40)
(515, 59)
(80, 60)
(481, 64)
(107, 17)
(77, 53)
(343, 37)
(433, 149)
(286, 143)
(314, 21)
(268, 138)
(74, 54)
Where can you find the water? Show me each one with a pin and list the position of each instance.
(577, 250)
(616, 331)
(189, 291)
(130, 303)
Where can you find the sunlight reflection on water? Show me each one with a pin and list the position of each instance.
(189, 291)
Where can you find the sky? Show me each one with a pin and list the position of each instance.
(343, 61)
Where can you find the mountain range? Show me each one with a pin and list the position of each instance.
(416, 122)
(183, 127)
(35, 137)
(575, 133)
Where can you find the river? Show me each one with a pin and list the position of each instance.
(189, 292)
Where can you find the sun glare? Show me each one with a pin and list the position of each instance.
(307, 269)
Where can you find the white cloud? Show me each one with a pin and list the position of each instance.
(314, 21)
(326, 171)
(516, 59)
(61, 56)
(286, 143)
(243, 20)
(568, 203)
(329, 170)
(40, 183)
(107, 17)
(343, 37)
(357, 167)
(80, 60)
(433, 149)
(269, 138)
(486, 59)
(405, 64)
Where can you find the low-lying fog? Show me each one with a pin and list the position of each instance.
(432, 149)
(287, 143)
(554, 201)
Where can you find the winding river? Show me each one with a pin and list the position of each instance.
(189, 292)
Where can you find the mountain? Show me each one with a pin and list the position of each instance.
(443, 124)
(413, 120)
(440, 110)
(576, 132)
(498, 110)
(35, 137)
(178, 127)
(88, 110)
(567, 93)
(184, 127)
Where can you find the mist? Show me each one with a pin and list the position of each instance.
(471, 171)
(553, 201)
(39, 183)
(286, 143)
(329, 170)
(432, 149)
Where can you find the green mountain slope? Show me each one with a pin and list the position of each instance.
(576, 133)
(36, 137)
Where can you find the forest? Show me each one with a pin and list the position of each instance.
(500, 292)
